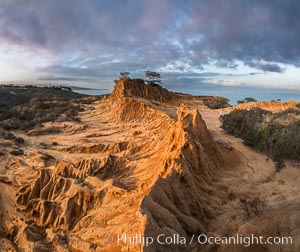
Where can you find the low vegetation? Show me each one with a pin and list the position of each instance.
(17, 152)
(16, 95)
(26, 107)
(6, 135)
(246, 100)
(276, 134)
(34, 114)
(219, 102)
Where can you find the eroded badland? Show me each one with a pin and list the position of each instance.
(146, 161)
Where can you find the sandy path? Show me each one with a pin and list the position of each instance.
(254, 179)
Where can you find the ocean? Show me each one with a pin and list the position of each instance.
(232, 93)
(235, 93)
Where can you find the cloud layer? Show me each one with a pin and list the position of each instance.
(94, 39)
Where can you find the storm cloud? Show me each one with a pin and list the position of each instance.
(94, 39)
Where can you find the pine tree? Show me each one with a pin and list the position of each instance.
(152, 77)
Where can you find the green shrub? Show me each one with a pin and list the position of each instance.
(250, 99)
(17, 152)
(41, 105)
(262, 131)
(246, 100)
(279, 165)
(19, 140)
(35, 113)
(219, 102)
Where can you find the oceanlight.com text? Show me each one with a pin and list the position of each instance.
(176, 239)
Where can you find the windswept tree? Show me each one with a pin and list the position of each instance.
(246, 100)
(124, 75)
(152, 77)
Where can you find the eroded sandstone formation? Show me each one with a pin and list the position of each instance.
(141, 161)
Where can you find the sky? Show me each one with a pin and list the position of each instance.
(190, 43)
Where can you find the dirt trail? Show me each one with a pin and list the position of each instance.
(274, 195)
